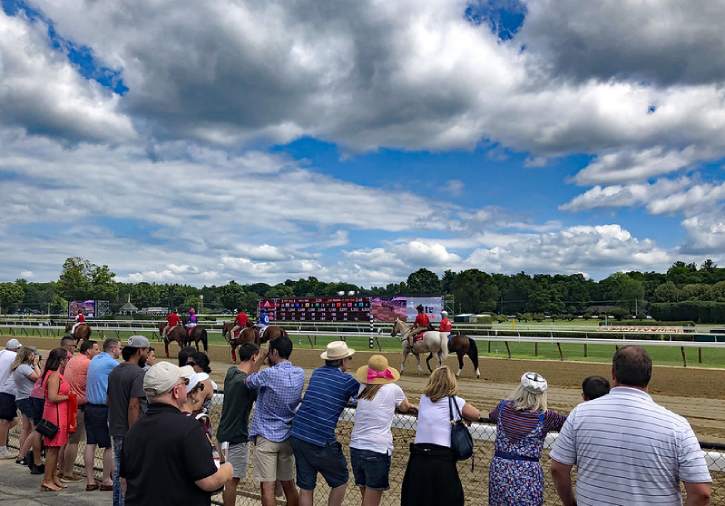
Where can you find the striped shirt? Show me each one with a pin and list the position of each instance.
(518, 424)
(629, 450)
(328, 393)
(279, 393)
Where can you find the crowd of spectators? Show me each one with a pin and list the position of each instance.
(626, 448)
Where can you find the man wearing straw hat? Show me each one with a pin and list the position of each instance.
(313, 429)
(371, 442)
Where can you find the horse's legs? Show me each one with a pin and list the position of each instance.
(417, 358)
(459, 353)
(404, 357)
(234, 353)
(166, 347)
(427, 361)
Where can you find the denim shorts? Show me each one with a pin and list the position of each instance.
(25, 406)
(38, 406)
(370, 469)
(312, 459)
(8, 409)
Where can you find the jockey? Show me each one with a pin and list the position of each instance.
(241, 320)
(172, 320)
(422, 323)
(80, 320)
(262, 321)
(191, 320)
(446, 326)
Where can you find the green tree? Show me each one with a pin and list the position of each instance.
(74, 282)
(667, 292)
(474, 292)
(11, 294)
(423, 282)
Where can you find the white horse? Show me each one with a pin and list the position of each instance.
(433, 342)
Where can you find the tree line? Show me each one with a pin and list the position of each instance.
(685, 291)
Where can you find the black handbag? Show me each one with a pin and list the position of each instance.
(47, 428)
(461, 440)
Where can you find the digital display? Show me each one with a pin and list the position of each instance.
(328, 309)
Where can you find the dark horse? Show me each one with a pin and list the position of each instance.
(461, 345)
(82, 333)
(177, 334)
(250, 334)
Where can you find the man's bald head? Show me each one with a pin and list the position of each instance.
(632, 366)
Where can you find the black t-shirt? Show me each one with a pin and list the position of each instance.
(164, 453)
(124, 382)
(238, 401)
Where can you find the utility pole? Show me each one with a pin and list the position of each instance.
(636, 312)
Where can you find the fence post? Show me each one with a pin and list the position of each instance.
(536, 349)
(508, 350)
(699, 355)
(561, 353)
(585, 350)
(684, 357)
(371, 339)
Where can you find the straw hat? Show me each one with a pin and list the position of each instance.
(377, 372)
(337, 350)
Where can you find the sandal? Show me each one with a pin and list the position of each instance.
(91, 488)
(48, 488)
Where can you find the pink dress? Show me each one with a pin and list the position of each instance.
(56, 413)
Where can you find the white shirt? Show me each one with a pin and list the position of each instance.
(629, 450)
(7, 382)
(434, 425)
(374, 418)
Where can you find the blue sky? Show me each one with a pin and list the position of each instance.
(359, 144)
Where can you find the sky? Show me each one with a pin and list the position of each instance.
(358, 141)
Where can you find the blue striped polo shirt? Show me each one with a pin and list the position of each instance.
(327, 394)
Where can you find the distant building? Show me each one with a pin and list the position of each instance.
(154, 311)
(128, 308)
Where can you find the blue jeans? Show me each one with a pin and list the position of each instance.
(117, 449)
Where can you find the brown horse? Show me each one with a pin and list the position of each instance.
(247, 335)
(196, 334)
(271, 333)
(82, 333)
(462, 345)
(177, 334)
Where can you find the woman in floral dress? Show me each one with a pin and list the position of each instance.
(522, 422)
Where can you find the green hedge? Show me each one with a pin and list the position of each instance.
(697, 311)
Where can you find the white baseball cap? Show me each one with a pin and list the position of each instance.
(196, 378)
(445, 313)
(13, 344)
(161, 377)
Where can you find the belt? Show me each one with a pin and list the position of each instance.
(96, 405)
(512, 456)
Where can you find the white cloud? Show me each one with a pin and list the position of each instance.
(26, 274)
(625, 195)
(43, 94)
(706, 234)
(455, 187)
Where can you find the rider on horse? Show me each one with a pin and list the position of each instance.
(241, 320)
(446, 326)
(262, 322)
(191, 320)
(172, 320)
(422, 324)
(80, 320)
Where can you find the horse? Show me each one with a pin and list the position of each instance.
(197, 333)
(82, 332)
(178, 334)
(247, 335)
(433, 342)
(462, 345)
(271, 333)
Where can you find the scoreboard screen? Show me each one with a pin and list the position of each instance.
(326, 309)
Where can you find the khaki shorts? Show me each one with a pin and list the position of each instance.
(80, 433)
(273, 461)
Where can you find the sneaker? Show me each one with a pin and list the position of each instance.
(6, 454)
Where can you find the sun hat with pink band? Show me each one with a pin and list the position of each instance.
(377, 372)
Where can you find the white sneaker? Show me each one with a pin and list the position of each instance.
(6, 453)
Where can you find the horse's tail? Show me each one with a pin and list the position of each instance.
(205, 339)
(473, 352)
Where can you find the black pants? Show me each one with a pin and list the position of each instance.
(431, 477)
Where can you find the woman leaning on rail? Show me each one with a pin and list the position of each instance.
(431, 477)
(522, 422)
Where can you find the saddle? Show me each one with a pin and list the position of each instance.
(418, 337)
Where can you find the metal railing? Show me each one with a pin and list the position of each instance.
(475, 481)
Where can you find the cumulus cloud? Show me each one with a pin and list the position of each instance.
(634, 194)
(706, 233)
(41, 92)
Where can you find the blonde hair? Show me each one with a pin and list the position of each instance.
(442, 383)
(369, 392)
(25, 355)
(524, 400)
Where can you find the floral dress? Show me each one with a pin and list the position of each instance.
(515, 474)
